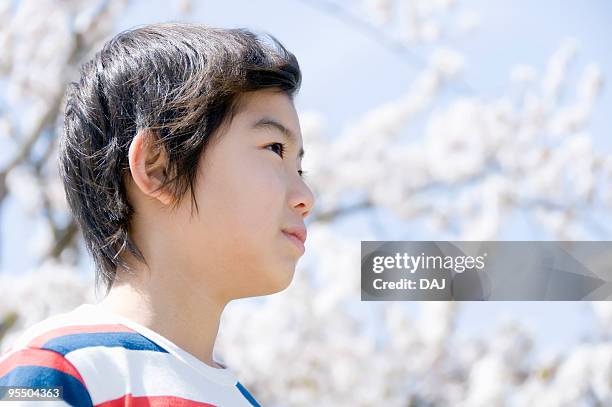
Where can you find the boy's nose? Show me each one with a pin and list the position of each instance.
(302, 199)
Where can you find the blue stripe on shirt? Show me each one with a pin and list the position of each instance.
(74, 392)
(128, 340)
(247, 395)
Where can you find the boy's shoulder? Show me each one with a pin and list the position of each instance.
(73, 350)
(52, 354)
(97, 358)
(82, 327)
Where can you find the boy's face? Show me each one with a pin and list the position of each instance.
(247, 195)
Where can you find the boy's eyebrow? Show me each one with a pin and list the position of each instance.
(288, 134)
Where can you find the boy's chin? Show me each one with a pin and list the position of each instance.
(272, 284)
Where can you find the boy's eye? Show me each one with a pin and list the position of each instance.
(279, 148)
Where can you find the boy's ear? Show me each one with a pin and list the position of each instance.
(148, 163)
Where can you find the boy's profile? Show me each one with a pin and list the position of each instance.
(181, 160)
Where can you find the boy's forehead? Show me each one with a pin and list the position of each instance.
(273, 106)
(266, 102)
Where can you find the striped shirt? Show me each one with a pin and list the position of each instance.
(103, 359)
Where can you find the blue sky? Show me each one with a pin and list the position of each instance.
(346, 73)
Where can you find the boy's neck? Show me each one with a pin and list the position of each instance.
(189, 321)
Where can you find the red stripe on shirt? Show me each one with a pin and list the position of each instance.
(40, 340)
(39, 357)
(152, 401)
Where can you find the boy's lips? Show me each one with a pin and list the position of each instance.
(297, 231)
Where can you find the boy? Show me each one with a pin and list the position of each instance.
(181, 160)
